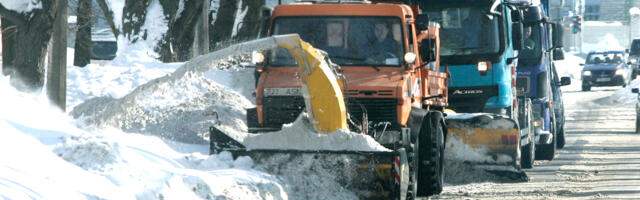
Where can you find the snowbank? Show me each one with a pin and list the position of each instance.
(301, 136)
(624, 96)
(634, 11)
(608, 42)
(48, 157)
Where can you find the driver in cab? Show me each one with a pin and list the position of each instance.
(383, 47)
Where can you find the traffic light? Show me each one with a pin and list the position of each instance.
(577, 24)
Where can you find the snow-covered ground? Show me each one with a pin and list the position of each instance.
(50, 155)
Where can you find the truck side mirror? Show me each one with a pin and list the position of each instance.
(427, 49)
(558, 54)
(517, 35)
(634, 90)
(558, 33)
(422, 22)
(581, 64)
(627, 50)
(565, 81)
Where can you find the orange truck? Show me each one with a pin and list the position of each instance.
(388, 56)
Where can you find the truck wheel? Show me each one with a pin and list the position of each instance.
(430, 173)
(528, 155)
(561, 140)
(586, 87)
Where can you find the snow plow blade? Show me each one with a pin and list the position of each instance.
(368, 174)
(484, 139)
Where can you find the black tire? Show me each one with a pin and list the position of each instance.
(586, 87)
(430, 174)
(528, 155)
(561, 138)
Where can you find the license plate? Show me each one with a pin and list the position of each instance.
(603, 79)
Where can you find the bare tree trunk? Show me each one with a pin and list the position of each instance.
(182, 30)
(57, 70)
(8, 46)
(33, 31)
(202, 30)
(82, 54)
(251, 22)
(223, 26)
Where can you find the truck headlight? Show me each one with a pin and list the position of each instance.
(257, 57)
(619, 72)
(586, 73)
(281, 92)
(633, 60)
(484, 66)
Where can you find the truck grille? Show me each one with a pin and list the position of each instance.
(603, 72)
(282, 109)
(285, 109)
(378, 109)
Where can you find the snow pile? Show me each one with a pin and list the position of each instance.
(89, 152)
(634, 11)
(624, 95)
(315, 176)
(608, 42)
(301, 135)
(181, 109)
(110, 79)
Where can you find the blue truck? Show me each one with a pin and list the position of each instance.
(479, 42)
(538, 80)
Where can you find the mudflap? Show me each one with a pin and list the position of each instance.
(484, 139)
(368, 174)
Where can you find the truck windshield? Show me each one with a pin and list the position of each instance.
(605, 58)
(362, 41)
(532, 50)
(466, 31)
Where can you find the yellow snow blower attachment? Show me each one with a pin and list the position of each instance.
(370, 174)
(483, 138)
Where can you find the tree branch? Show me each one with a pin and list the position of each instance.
(12, 16)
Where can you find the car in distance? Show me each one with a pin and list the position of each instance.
(608, 68)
